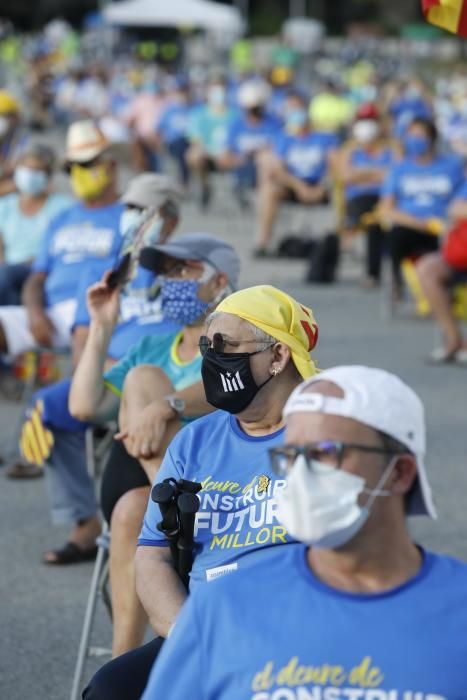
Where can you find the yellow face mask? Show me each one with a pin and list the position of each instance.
(89, 183)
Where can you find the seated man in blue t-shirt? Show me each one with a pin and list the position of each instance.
(357, 610)
(71, 490)
(416, 195)
(255, 351)
(155, 389)
(172, 128)
(249, 136)
(80, 236)
(299, 171)
(207, 132)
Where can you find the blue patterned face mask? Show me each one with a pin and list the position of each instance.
(180, 301)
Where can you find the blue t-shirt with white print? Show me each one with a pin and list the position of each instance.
(245, 138)
(306, 156)
(237, 513)
(76, 239)
(424, 190)
(276, 632)
(140, 311)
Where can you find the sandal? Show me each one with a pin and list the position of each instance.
(70, 553)
(20, 470)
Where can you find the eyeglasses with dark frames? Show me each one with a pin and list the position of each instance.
(219, 343)
(330, 452)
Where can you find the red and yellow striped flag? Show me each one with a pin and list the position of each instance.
(447, 14)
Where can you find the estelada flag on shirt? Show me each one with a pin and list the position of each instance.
(447, 14)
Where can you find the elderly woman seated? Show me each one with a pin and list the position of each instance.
(256, 349)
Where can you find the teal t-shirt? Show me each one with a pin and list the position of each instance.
(210, 128)
(22, 235)
(160, 351)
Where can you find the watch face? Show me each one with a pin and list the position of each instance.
(177, 404)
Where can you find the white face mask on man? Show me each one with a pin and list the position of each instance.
(319, 505)
(366, 130)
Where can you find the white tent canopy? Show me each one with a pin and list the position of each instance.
(175, 13)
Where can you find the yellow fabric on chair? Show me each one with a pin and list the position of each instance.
(36, 441)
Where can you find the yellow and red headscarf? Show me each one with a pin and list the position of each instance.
(281, 317)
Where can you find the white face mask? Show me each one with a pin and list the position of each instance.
(365, 130)
(319, 506)
(129, 220)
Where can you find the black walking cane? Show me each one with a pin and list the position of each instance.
(165, 495)
(188, 506)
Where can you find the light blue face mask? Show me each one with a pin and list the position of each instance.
(296, 119)
(129, 220)
(30, 181)
(180, 301)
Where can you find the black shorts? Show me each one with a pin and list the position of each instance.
(291, 197)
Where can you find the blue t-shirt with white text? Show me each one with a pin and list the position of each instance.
(424, 190)
(174, 121)
(237, 512)
(276, 632)
(306, 156)
(245, 138)
(77, 238)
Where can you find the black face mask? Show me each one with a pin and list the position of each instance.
(256, 112)
(228, 381)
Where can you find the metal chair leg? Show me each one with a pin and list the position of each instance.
(97, 582)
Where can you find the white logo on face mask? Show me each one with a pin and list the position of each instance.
(231, 383)
(319, 506)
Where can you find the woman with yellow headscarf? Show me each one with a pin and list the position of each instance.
(255, 351)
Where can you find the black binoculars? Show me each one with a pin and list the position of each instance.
(178, 503)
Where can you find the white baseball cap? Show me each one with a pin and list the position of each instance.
(382, 401)
(253, 93)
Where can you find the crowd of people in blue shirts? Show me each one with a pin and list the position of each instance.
(305, 478)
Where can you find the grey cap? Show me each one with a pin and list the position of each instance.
(195, 246)
(151, 190)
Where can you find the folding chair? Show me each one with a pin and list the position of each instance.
(98, 441)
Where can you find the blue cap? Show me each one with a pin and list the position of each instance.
(195, 246)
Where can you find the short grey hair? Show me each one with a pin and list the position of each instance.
(263, 339)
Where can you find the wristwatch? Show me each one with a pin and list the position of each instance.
(176, 403)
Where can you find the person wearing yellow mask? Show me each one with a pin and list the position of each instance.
(84, 237)
(255, 351)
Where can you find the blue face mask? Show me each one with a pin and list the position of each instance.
(416, 146)
(30, 181)
(296, 119)
(180, 301)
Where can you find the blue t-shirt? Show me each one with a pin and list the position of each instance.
(306, 156)
(424, 190)
(363, 158)
(173, 123)
(160, 351)
(237, 514)
(77, 238)
(244, 138)
(275, 632)
(210, 128)
(140, 311)
(22, 235)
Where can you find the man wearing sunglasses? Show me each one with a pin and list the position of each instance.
(256, 348)
(87, 233)
(358, 611)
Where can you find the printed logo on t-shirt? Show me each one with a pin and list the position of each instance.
(231, 382)
(217, 571)
(434, 185)
(305, 160)
(80, 241)
(236, 516)
(303, 681)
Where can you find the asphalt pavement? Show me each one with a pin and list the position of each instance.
(41, 609)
